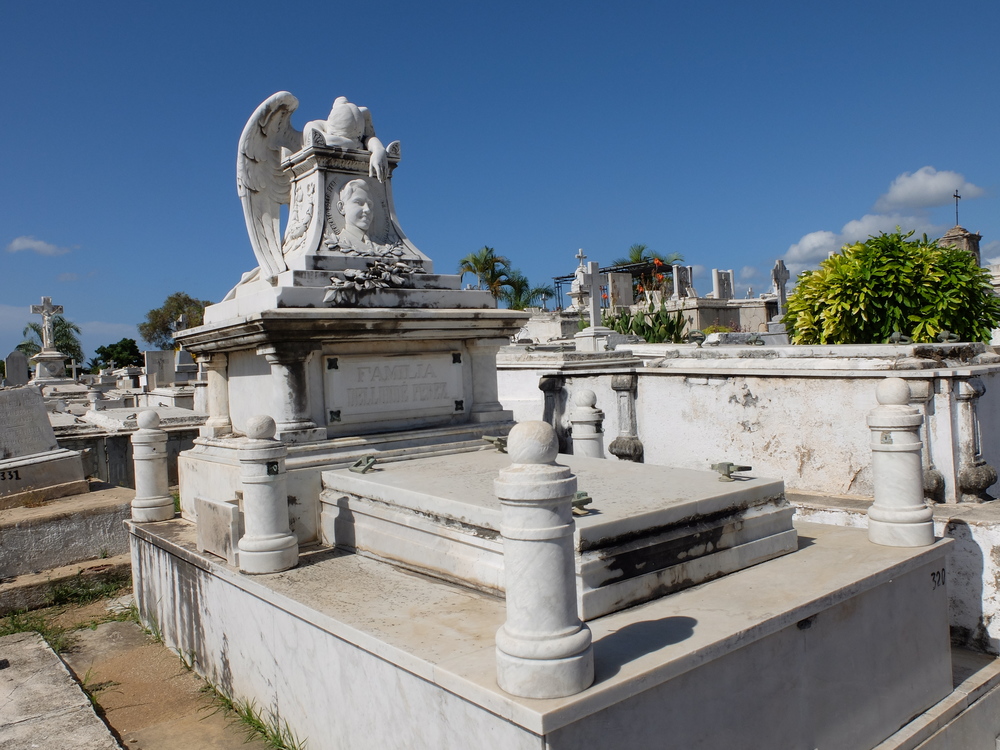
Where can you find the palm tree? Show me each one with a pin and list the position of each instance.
(491, 270)
(519, 293)
(65, 338)
(640, 253)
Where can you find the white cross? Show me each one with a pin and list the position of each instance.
(592, 283)
(47, 310)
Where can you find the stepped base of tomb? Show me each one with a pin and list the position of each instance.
(647, 531)
(837, 645)
(37, 478)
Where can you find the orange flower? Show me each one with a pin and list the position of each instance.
(639, 288)
(659, 277)
(604, 295)
(657, 262)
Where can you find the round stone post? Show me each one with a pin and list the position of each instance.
(152, 501)
(898, 517)
(543, 650)
(267, 546)
(588, 421)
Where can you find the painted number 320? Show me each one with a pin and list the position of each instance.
(9, 475)
(937, 579)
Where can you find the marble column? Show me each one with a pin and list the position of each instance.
(216, 368)
(898, 517)
(486, 406)
(268, 545)
(153, 501)
(543, 650)
(291, 392)
(588, 425)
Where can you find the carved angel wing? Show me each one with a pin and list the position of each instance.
(261, 184)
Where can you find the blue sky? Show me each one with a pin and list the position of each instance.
(734, 133)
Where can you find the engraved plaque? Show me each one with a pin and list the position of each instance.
(404, 386)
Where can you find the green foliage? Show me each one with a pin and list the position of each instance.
(655, 326)
(65, 334)
(492, 271)
(123, 354)
(716, 328)
(518, 293)
(640, 253)
(82, 589)
(26, 622)
(158, 328)
(891, 283)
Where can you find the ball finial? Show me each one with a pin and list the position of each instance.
(147, 420)
(586, 398)
(893, 392)
(260, 427)
(532, 443)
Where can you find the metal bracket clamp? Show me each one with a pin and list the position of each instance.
(727, 469)
(497, 441)
(364, 464)
(580, 502)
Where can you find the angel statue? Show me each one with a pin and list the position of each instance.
(263, 185)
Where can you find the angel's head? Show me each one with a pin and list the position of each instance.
(355, 205)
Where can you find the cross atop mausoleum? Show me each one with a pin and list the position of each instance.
(957, 198)
(780, 276)
(47, 310)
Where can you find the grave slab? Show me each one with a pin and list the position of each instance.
(840, 628)
(33, 468)
(649, 530)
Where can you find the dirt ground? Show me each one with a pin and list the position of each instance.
(142, 690)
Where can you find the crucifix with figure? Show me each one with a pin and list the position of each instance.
(47, 310)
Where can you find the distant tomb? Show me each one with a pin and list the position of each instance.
(17, 370)
(33, 468)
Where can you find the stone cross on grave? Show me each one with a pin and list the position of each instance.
(180, 324)
(47, 310)
(779, 276)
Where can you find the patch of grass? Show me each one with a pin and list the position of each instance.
(269, 728)
(81, 589)
(177, 501)
(26, 622)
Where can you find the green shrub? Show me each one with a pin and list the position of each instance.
(655, 326)
(891, 283)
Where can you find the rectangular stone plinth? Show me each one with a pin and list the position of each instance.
(43, 476)
(837, 645)
(650, 530)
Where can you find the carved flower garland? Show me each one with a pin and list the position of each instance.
(378, 275)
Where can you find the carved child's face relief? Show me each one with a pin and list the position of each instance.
(357, 209)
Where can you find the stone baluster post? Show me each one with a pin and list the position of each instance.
(627, 446)
(217, 396)
(543, 650)
(152, 501)
(588, 425)
(975, 476)
(898, 517)
(268, 545)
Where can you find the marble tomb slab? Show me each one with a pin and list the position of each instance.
(649, 530)
(33, 468)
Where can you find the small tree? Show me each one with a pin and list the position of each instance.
(123, 354)
(518, 293)
(891, 283)
(158, 328)
(491, 270)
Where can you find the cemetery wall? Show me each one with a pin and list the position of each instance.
(108, 457)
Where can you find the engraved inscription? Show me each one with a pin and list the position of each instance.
(396, 387)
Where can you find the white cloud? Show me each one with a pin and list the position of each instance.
(990, 252)
(925, 188)
(68, 276)
(27, 242)
(814, 247)
(747, 272)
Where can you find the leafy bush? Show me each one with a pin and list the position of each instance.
(655, 326)
(891, 283)
(716, 328)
